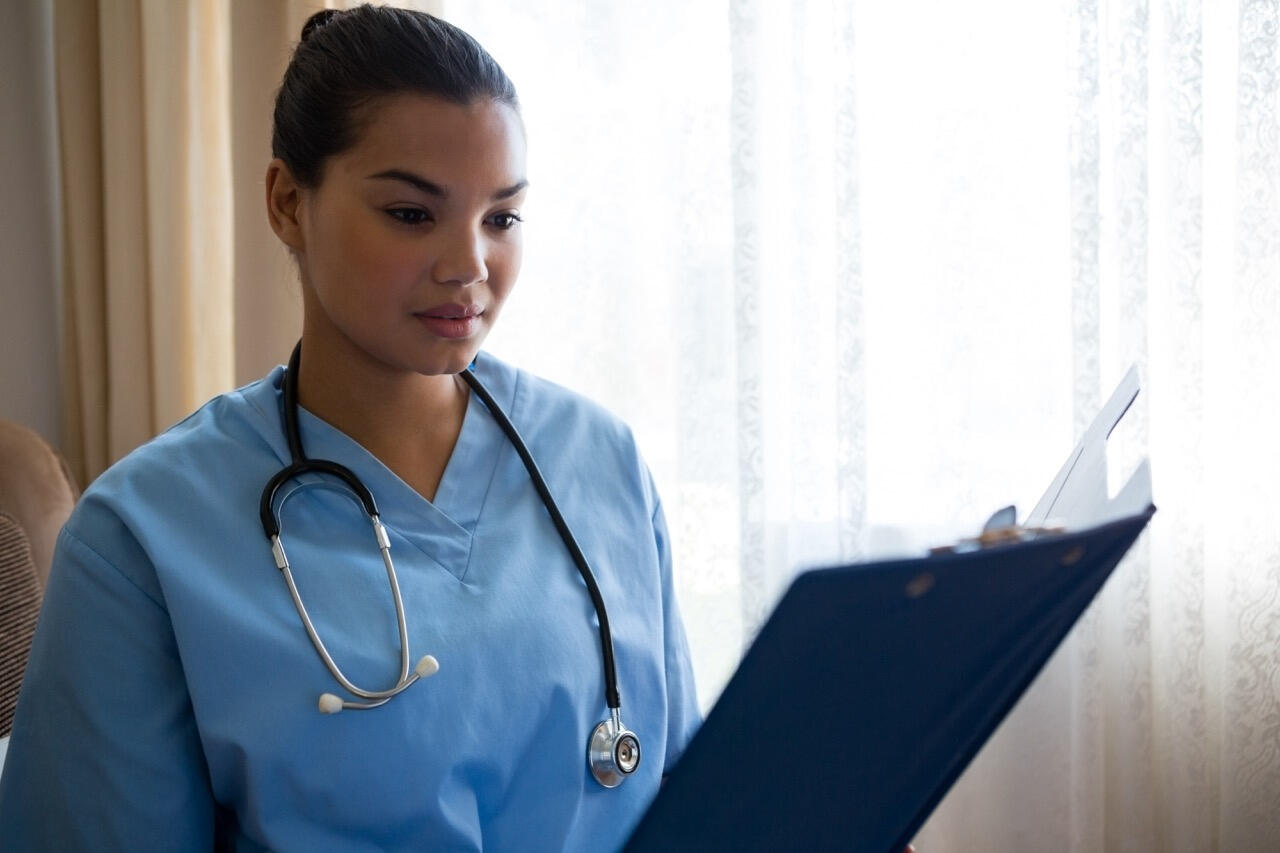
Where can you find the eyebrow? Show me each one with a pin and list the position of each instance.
(434, 189)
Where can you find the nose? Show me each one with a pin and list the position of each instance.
(460, 257)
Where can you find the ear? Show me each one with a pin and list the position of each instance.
(284, 200)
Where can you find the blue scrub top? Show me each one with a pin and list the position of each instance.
(171, 693)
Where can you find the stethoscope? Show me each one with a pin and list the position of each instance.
(613, 751)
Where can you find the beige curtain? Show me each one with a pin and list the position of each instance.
(174, 287)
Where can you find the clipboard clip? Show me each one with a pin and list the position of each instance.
(1001, 528)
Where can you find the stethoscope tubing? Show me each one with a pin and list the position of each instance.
(300, 465)
(612, 697)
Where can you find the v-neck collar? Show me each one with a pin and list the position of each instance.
(441, 529)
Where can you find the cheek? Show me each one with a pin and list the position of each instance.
(506, 269)
(356, 260)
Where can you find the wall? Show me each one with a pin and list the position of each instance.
(29, 244)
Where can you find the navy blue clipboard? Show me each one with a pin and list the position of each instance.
(872, 686)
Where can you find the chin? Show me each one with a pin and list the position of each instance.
(452, 362)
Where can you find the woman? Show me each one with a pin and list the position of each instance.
(171, 696)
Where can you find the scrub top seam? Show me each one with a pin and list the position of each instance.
(252, 401)
(505, 448)
(277, 446)
(75, 540)
(175, 649)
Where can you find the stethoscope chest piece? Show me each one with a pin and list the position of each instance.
(613, 751)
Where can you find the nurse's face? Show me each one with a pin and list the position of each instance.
(412, 241)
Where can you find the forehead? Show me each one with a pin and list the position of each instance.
(481, 142)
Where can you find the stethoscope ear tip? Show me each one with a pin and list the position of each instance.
(427, 667)
(329, 704)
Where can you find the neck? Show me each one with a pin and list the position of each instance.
(409, 421)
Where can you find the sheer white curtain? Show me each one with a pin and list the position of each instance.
(859, 272)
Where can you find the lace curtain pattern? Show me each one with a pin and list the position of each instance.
(858, 274)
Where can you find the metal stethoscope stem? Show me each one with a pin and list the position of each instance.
(329, 703)
(613, 752)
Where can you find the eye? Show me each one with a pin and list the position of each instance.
(409, 215)
(505, 221)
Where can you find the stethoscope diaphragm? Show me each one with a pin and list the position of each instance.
(613, 751)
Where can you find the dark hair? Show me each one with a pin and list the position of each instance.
(347, 59)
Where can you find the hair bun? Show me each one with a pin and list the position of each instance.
(316, 21)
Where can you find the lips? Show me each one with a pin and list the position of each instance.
(452, 311)
(451, 321)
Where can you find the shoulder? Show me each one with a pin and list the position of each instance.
(533, 388)
(543, 403)
(559, 423)
(216, 437)
(183, 474)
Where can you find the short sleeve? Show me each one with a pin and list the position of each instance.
(683, 717)
(104, 753)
